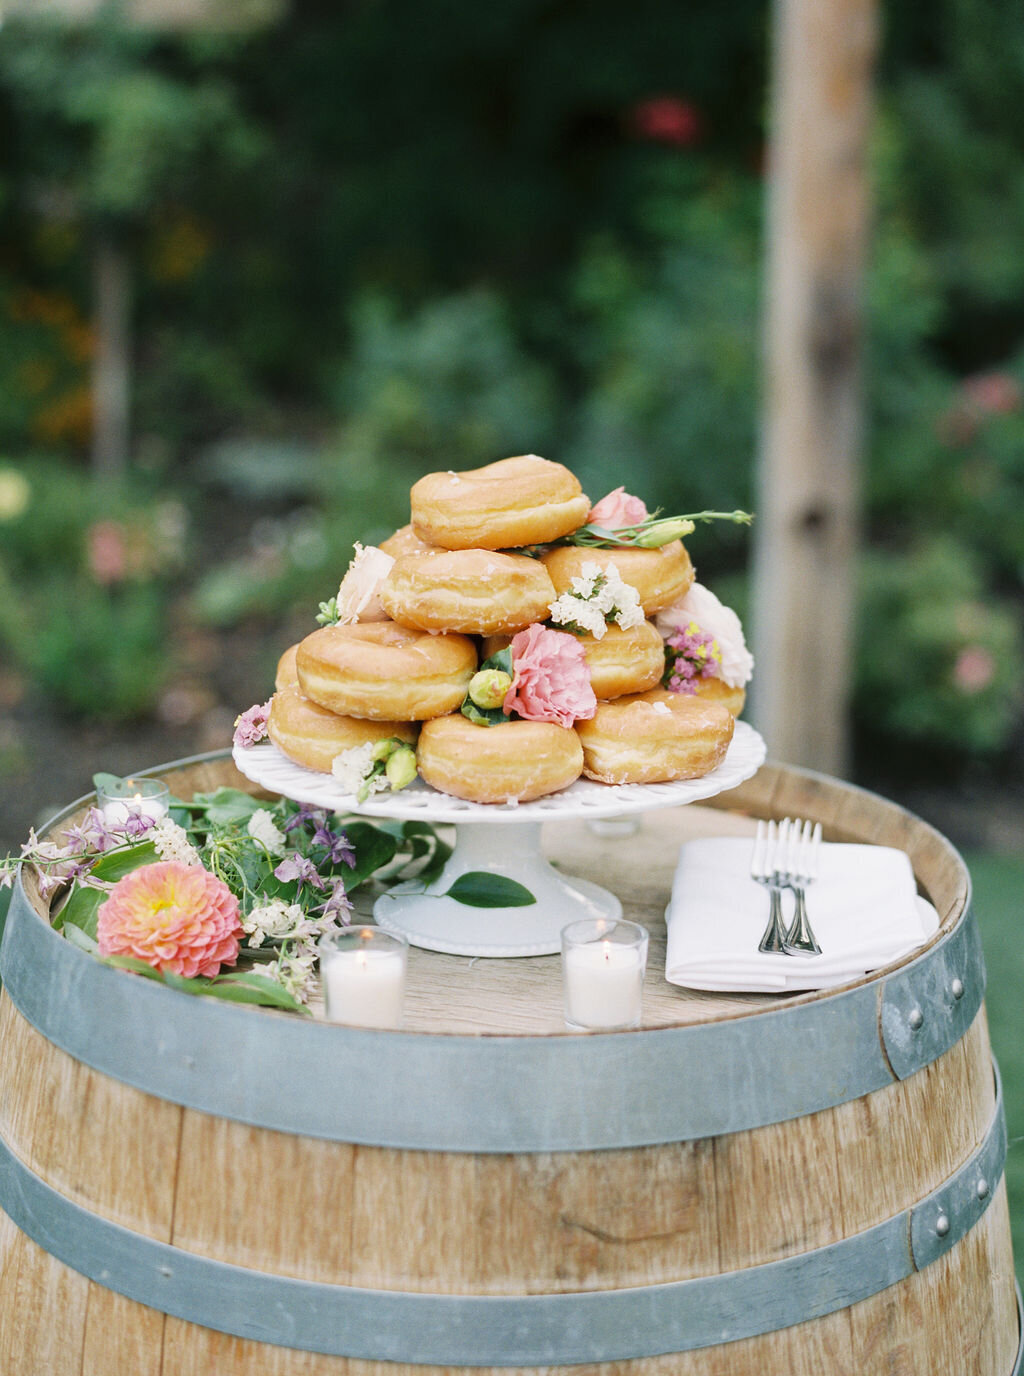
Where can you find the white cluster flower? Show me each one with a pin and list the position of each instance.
(295, 972)
(171, 842)
(597, 596)
(263, 829)
(353, 768)
(278, 920)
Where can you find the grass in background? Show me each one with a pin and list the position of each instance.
(998, 882)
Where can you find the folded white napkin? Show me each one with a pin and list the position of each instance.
(864, 909)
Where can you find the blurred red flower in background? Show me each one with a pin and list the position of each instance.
(667, 119)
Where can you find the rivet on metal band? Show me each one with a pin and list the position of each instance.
(502, 1330)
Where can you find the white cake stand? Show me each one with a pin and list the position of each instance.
(428, 918)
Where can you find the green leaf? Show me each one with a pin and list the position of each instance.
(117, 863)
(227, 805)
(479, 889)
(501, 659)
(139, 967)
(373, 846)
(80, 910)
(248, 986)
(483, 716)
(105, 782)
(81, 939)
(441, 856)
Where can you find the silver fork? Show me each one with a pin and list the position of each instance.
(799, 868)
(768, 845)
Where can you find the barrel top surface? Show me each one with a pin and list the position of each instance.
(523, 996)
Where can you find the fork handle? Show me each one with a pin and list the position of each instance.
(800, 939)
(774, 938)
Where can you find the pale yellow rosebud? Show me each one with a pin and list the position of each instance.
(664, 532)
(487, 688)
(401, 767)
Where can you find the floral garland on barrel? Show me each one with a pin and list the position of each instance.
(226, 895)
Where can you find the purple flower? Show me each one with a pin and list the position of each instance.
(91, 835)
(251, 726)
(339, 904)
(691, 654)
(136, 823)
(339, 848)
(300, 869)
(306, 813)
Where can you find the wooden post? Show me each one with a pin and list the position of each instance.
(805, 537)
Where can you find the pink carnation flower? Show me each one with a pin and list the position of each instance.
(251, 726)
(172, 916)
(616, 510)
(550, 678)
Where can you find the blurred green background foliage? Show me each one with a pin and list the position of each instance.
(376, 240)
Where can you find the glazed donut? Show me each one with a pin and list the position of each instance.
(287, 676)
(515, 760)
(652, 738)
(660, 576)
(474, 591)
(384, 672)
(521, 501)
(404, 541)
(708, 690)
(622, 661)
(312, 736)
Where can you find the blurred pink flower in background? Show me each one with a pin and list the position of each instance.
(105, 552)
(974, 669)
(667, 119)
(172, 916)
(998, 394)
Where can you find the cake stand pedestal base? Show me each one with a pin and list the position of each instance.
(427, 918)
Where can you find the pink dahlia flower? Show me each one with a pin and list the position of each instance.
(616, 510)
(550, 678)
(172, 916)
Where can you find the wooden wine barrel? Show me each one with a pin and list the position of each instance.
(746, 1186)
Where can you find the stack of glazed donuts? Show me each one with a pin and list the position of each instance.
(459, 588)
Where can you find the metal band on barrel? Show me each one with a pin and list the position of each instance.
(491, 1094)
(529, 1330)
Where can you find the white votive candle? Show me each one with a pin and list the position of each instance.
(603, 966)
(362, 971)
(133, 798)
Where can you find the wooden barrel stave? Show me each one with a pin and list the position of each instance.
(543, 1222)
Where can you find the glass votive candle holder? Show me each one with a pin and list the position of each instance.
(603, 966)
(119, 799)
(362, 971)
